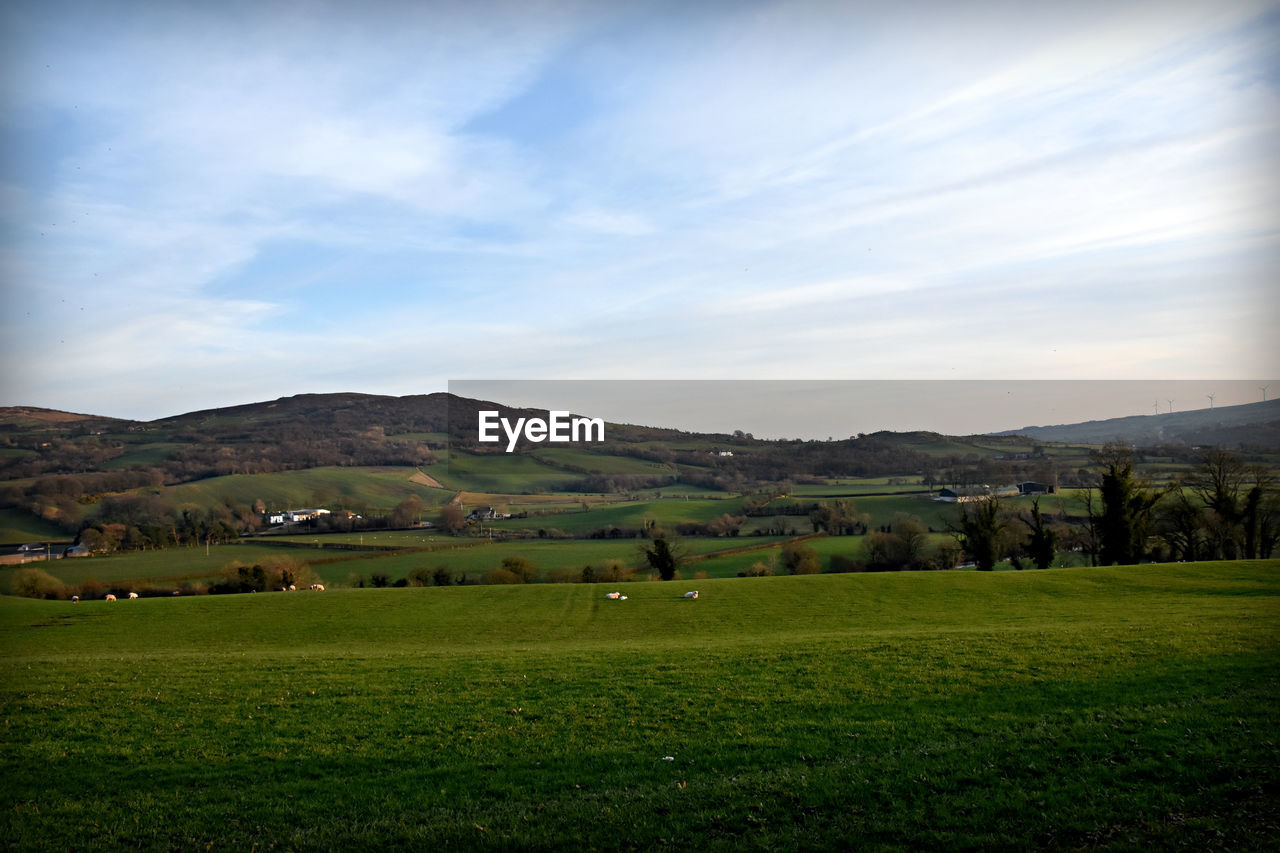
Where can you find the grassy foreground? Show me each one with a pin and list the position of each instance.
(1117, 708)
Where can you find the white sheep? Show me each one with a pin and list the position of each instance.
(318, 587)
(75, 598)
(110, 597)
(133, 595)
(613, 596)
(693, 594)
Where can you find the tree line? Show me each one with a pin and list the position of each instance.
(1224, 509)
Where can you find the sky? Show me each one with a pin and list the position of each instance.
(207, 204)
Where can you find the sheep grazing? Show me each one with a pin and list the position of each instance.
(133, 595)
(75, 598)
(110, 597)
(318, 587)
(693, 594)
(613, 596)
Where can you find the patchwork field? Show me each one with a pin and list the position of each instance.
(1117, 708)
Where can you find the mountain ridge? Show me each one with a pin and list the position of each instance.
(1247, 423)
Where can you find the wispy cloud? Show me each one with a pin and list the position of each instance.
(384, 197)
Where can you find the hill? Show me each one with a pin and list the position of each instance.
(1252, 425)
(379, 461)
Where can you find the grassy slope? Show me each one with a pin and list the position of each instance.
(1123, 707)
(17, 527)
(381, 488)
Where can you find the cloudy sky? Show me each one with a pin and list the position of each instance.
(208, 204)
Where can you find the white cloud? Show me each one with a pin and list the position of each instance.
(776, 188)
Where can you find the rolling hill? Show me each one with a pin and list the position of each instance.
(1250, 425)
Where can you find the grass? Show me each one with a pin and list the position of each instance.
(17, 528)
(545, 555)
(1121, 708)
(498, 472)
(604, 463)
(146, 568)
(335, 566)
(667, 512)
(381, 487)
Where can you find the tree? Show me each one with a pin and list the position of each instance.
(1217, 481)
(1180, 523)
(839, 518)
(406, 512)
(1126, 512)
(1042, 540)
(1088, 537)
(800, 559)
(978, 529)
(522, 568)
(725, 525)
(662, 557)
(451, 518)
(912, 532)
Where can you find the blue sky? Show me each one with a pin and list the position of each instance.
(208, 204)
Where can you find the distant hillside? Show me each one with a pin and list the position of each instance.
(33, 418)
(1253, 425)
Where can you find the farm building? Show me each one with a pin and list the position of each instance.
(295, 515)
(977, 493)
(486, 513)
(1030, 488)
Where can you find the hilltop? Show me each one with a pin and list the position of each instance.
(1250, 425)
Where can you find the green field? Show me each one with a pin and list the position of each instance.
(1121, 708)
(380, 488)
(152, 568)
(335, 566)
(17, 527)
(498, 472)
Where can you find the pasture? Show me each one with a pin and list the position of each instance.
(1117, 708)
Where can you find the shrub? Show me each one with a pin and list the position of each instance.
(800, 559)
(37, 583)
(272, 573)
(841, 564)
(521, 567)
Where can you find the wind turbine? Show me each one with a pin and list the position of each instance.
(1263, 389)
(1157, 411)
(1210, 396)
(1171, 407)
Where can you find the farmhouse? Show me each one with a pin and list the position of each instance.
(1030, 488)
(295, 515)
(486, 513)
